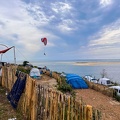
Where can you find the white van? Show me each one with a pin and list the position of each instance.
(117, 89)
(105, 81)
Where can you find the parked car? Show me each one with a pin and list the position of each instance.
(117, 89)
(90, 78)
(94, 80)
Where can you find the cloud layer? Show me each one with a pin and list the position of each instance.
(74, 29)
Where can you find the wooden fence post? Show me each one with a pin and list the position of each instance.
(68, 110)
(89, 112)
(71, 105)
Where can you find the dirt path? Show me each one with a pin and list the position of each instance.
(110, 108)
(47, 81)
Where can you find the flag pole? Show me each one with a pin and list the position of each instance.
(14, 55)
(9, 48)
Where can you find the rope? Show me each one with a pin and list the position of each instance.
(23, 55)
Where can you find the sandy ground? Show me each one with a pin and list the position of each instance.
(47, 81)
(95, 63)
(108, 106)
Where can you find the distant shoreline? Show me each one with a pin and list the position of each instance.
(95, 63)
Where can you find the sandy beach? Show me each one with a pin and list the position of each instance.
(95, 63)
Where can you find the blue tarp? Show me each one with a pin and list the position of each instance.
(76, 81)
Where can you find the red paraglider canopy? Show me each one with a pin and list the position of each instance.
(4, 51)
(44, 40)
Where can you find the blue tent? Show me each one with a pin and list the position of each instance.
(76, 81)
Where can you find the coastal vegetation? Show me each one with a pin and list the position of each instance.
(117, 98)
(24, 69)
(65, 88)
(25, 63)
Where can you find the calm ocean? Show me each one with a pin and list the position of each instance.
(112, 69)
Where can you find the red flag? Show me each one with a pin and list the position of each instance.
(4, 51)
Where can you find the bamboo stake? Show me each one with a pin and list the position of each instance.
(54, 104)
(85, 109)
(51, 105)
(60, 105)
(68, 111)
(76, 110)
(64, 102)
(56, 110)
(89, 112)
(46, 104)
(71, 115)
(96, 114)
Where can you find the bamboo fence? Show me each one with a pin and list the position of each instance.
(53, 105)
(40, 103)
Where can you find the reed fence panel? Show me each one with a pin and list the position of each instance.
(8, 76)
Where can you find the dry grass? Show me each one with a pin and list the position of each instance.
(6, 110)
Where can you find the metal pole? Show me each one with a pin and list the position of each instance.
(14, 53)
(1, 57)
(14, 56)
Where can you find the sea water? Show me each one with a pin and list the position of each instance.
(69, 66)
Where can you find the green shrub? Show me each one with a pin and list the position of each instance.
(24, 69)
(25, 63)
(117, 97)
(65, 87)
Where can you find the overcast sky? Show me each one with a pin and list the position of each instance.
(75, 29)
